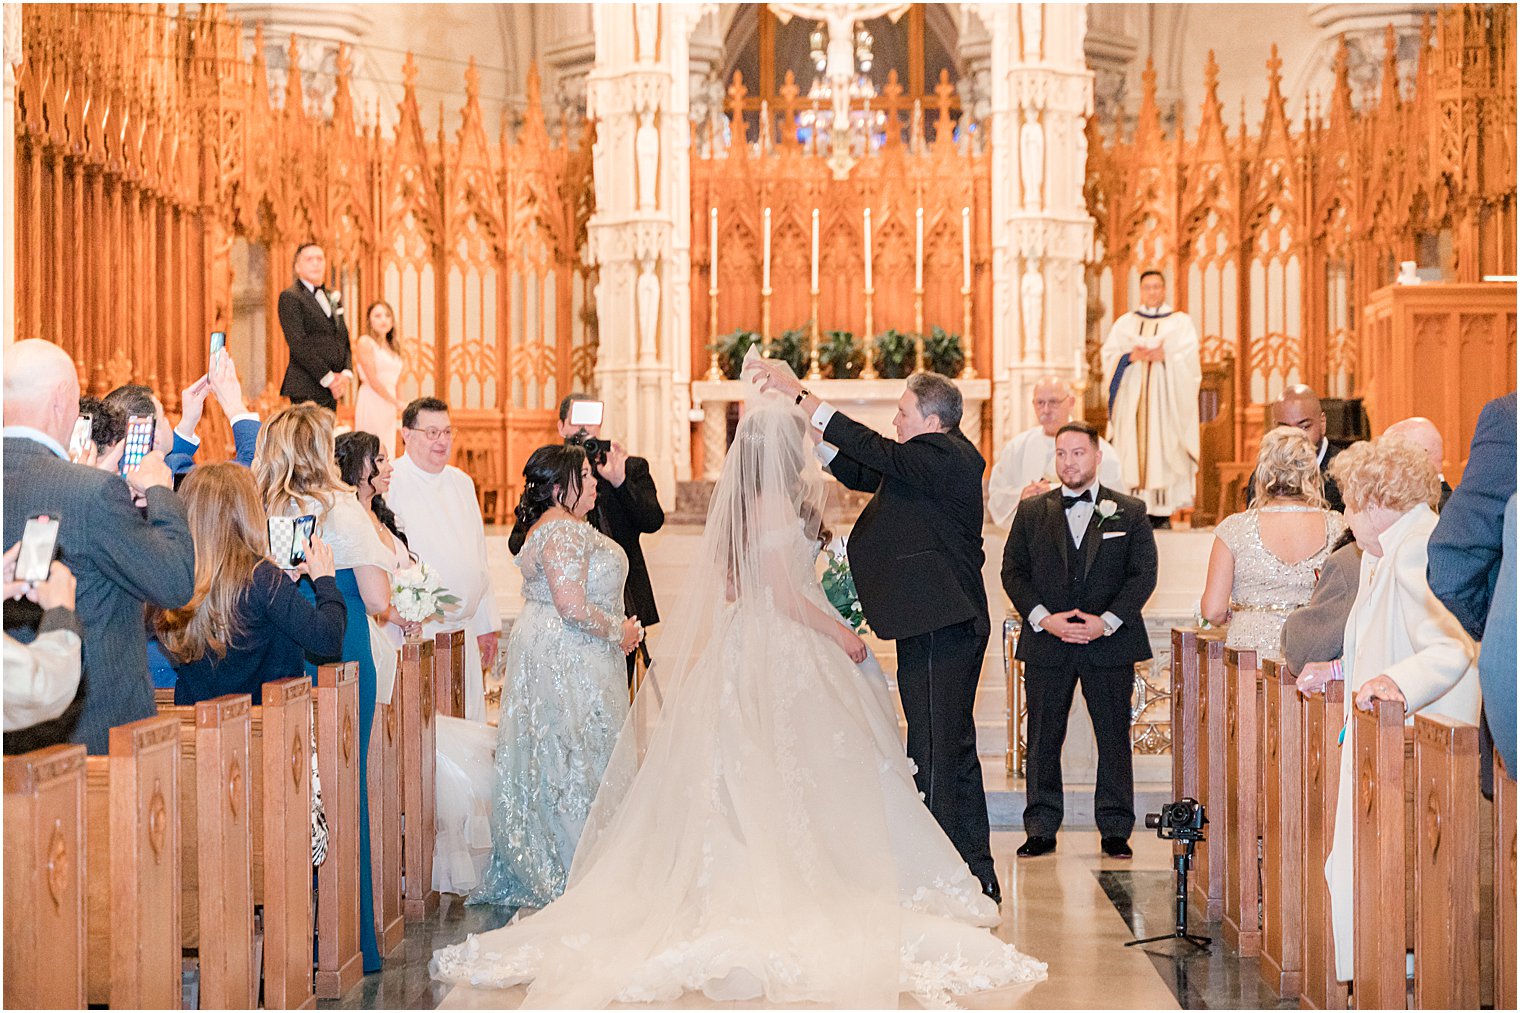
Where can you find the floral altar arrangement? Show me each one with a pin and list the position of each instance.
(419, 595)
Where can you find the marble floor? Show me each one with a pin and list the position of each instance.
(1074, 910)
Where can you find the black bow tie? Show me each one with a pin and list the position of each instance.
(1067, 502)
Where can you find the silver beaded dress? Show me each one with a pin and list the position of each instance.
(564, 699)
(1266, 589)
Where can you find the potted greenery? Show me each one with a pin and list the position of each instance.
(943, 352)
(894, 354)
(792, 348)
(731, 348)
(840, 355)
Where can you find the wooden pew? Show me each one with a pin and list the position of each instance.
(1207, 884)
(1322, 719)
(1187, 696)
(1242, 881)
(339, 962)
(414, 681)
(385, 825)
(281, 765)
(1446, 863)
(44, 884)
(1380, 859)
(448, 673)
(1506, 801)
(1282, 835)
(216, 828)
(132, 873)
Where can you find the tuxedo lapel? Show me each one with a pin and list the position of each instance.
(1092, 540)
(1062, 533)
(313, 301)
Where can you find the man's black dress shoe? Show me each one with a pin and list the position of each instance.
(991, 890)
(1036, 846)
(1117, 847)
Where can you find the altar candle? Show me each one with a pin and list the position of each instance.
(815, 249)
(965, 248)
(918, 251)
(765, 281)
(868, 249)
(712, 278)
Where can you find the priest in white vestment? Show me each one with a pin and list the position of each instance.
(1027, 465)
(436, 507)
(1152, 372)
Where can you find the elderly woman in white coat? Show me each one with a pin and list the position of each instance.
(1401, 642)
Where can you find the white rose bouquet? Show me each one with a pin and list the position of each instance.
(419, 595)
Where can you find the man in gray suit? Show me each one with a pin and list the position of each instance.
(123, 559)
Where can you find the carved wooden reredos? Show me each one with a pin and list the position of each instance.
(161, 189)
(149, 150)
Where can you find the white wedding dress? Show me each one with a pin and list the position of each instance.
(758, 835)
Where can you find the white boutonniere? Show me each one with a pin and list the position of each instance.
(1107, 511)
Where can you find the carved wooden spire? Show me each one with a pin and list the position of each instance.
(1148, 140)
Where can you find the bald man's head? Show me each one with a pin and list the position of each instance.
(41, 388)
(1422, 433)
(1052, 403)
(1298, 407)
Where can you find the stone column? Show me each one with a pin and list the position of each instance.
(1041, 231)
(320, 28)
(12, 60)
(640, 234)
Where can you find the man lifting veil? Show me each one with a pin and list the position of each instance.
(916, 555)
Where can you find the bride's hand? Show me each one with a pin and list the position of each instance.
(852, 645)
(632, 633)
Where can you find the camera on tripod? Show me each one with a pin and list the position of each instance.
(595, 448)
(1182, 820)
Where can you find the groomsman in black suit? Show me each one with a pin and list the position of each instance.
(1079, 566)
(321, 365)
(916, 555)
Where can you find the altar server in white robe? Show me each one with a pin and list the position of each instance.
(435, 505)
(1152, 372)
(1027, 465)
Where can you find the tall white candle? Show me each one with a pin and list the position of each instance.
(765, 278)
(815, 249)
(712, 270)
(965, 247)
(918, 251)
(868, 249)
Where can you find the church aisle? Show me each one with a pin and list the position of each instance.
(1057, 910)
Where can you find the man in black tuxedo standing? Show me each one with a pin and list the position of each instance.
(1079, 566)
(321, 365)
(916, 555)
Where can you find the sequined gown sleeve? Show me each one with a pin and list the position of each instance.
(563, 701)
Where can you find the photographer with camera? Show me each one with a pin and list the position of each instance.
(627, 505)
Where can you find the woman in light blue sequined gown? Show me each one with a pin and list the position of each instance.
(565, 693)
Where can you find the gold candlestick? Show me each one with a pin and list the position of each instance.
(814, 373)
(868, 371)
(968, 371)
(765, 315)
(714, 373)
(918, 329)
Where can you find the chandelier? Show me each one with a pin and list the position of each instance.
(820, 120)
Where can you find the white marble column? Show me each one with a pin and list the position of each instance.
(1041, 231)
(640, 234)
(320, 29)
(12, 61)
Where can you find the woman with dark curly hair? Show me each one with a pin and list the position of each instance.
(566, 688)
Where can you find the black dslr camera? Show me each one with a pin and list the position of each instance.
(596, 449)
(1182, 820)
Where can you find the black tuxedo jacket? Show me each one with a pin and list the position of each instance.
(1114, 571)
(916, 551)
(623, 513)
(318, 345)
(122, 562)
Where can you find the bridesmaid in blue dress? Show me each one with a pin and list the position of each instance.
(297, 474)
(565, 694)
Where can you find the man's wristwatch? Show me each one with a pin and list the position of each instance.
(802, 394)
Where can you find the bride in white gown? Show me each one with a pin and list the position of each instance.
(757, 835)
